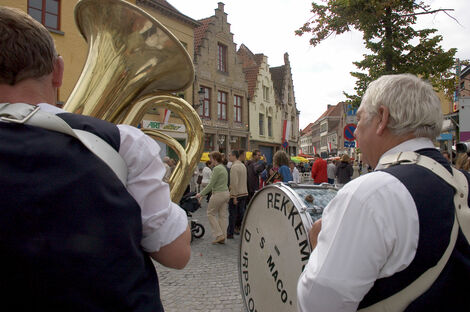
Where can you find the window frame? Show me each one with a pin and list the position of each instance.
(270, 126)
(209, 142)
(222, 57)
(44, 11)
(221, 105)
(261, 124)
(206, 103)
(237, 108)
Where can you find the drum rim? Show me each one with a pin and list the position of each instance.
(304, 215)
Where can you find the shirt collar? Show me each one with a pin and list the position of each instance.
(50, 108)
(410, 145)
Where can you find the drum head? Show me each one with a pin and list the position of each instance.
(274, 249)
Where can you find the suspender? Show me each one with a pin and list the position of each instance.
(400, 300)
(31, 115)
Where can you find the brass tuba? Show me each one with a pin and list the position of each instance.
(134, 63)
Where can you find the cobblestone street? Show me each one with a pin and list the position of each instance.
(209, 282)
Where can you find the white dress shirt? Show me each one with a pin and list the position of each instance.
(162, 220)
(295, 175)
(369, 231)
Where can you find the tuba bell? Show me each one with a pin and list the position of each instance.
(135, 63)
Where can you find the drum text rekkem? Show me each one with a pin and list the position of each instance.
(273, 200)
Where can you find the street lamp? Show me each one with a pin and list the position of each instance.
(221, 139)
(202, 94)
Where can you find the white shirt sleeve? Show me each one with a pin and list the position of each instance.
(369, 231)
(162, 220)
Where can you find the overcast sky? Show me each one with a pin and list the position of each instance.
(320, 73)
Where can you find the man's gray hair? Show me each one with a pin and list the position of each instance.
(413, 104)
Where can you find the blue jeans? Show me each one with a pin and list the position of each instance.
(235, 214)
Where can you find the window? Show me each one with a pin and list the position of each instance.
(324, 127)
(265, 93)
(237, 108)
(209, 142)
(261, 124)
(270, 126)
(46, 12)
(222, 58)
(222, 105)
(204, 109)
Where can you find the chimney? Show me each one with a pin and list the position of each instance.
(221, 6)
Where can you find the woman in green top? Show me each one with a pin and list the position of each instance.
(217, 209)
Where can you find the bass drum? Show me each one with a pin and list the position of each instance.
(275, 247)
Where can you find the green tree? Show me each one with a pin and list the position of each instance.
(388, 28)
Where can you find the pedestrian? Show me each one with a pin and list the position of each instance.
(199, 180)
(254, 167)
(217, 208)
(206, 177)
(193, 182)
(294, 172)
(355, 166)
(238, 194)
(280, 171)
(344, 171)
(319, 170)
(166, 177)
(331, 172)
(446, 155)
(75, 233)
(378, 235)
(462, 161)
(242, 157)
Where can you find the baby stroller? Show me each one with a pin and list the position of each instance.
(190, 204)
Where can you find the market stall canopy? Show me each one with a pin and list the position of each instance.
(205, 156)
(299, 159)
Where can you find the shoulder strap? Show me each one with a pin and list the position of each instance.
(32, 115)
(458, 181)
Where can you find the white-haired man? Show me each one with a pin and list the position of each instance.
(385, 229)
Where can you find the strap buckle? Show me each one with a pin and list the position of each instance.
(25, 114)
(407, 158)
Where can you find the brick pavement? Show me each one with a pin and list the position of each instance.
(209, 282)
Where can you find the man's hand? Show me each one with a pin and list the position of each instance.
(235, 201)
(313, 233)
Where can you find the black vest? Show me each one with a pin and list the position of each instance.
(69, 231)
(435, 206)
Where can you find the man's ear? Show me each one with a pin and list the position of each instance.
(384, 115)
(58, 72)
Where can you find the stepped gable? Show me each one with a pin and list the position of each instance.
(277, 76)
(259, 58)
(200, 32)
(250, 63)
